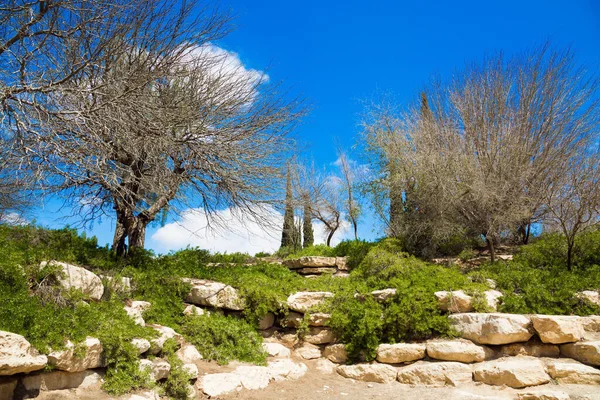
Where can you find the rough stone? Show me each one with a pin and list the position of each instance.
(565, 371)
(308, 351)
(380, 373)
(341, 263)
(191, 369)
(303, 301)
(292, 320)
(316, 271)
(283, 369)
(325, 366)
(67, 359)
(121, 285)
(253, 378)
(586, 352)
(543, 394)
(142, 345)
(456, 301)
(17, 355)
(166, 333)
(188, 353)
(60, 380)
(159, 368)
(318, 335)
(191, 309)
(135, 309)
(218, 384)
(460, 350)
(336, 353)
(78, 278)
(276, 350)
(531, 348)
(7, 388)
(311, 261)
(318, 319)
(400, 352)
(516, 372)
(383, 294)
(146, 395)
(266, 322)
(492, 298)
(436, 374)
(591, 323)
(557, 329)
(214, 294)
(492, 328)
(591, 296)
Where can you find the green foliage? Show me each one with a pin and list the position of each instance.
(222, 338)
(316, 250)
(355, 250)
(466, 255)
(176, 386)
(261, 254)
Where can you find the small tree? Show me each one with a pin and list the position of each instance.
(349, 179)
(307, 228)
(289, 227)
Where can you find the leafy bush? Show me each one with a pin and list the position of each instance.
(355, 250)
(316, 250)
(222, 338)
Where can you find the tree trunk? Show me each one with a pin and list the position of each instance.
(570, 245)
(330, 236)
(118, 245)
(490, 243)
(355, 225)
(527, 233)
(136, 231)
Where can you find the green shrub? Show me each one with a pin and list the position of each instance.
(355, 250)
(466, 255)
(316, 250)
(177, 384)
(222, 338)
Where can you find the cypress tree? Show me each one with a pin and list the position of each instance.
(288, 217)
(307, 229)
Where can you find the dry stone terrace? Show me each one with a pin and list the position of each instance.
(496, 349)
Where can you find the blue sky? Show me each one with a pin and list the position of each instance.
(335, 54)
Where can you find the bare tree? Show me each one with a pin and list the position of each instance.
(349, 179)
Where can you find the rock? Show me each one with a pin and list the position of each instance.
(292, 320)
(492, 328)
(142, 345)
(218, 384)
(266, 322)
(557, 329)
(317, 335)
(276, 350)
(135, 309)
(490, 283)
(435, 374)
(543, 394)
(400, 352)
(336, 353)
(304, 301)
(492, 298)
(308, 351)
(120, 285)
(325, 366)
(289, 339)
(586, 352)
(191, 309)
(531, 348)
(566, 371)
(191, 370)
(341, 263)
(7, 388)
(341, 274)
(166, 333)
(159, 368)
(318, 319)
(188, 354)
(69, 360)
(78, 278)
(60, 380)
(146, 395)
(383, 295)
(460, 350)
(504, 257)
(455, 301)
(590, 296)
(283, 369)
(311, 261)
(380, 373)
(214, 294)
(516, 372)
(316, 271)
(253, 378)
(591, 323)
(17, 355)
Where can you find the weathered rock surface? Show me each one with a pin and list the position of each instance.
(586, 352)
(68, 360)
(336, 353)
(380, 373)
(383, 294)
(60, 380)
(308, 351)
(557, 329)
(318, 335)
(303, 301)
(591, 296)
(188, 353)
(135, 309)
(166, 333)
(516, 372)
(543, 394)
(17, 355)
(214, 294)
(142, 345)
(294, 319)
(78, 278)
(266, 322)
(400, 352)
(531, 348)
(325, 366)
(120, 285)
(218, 384)
(276, 350)
(159, 368)
(283, 369)
(460, 350)
(7, 388)
(146, 395)
(316, 270)
(565, 370)
(591, 323)
(192, 370)
(492, 328)
(318, 319)
(435, 374)
(492, 298)
(253, 378)
(191, 309)
(456, 301)
(311, 261)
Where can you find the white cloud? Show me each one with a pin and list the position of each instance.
(13, 218)
(241, 233)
